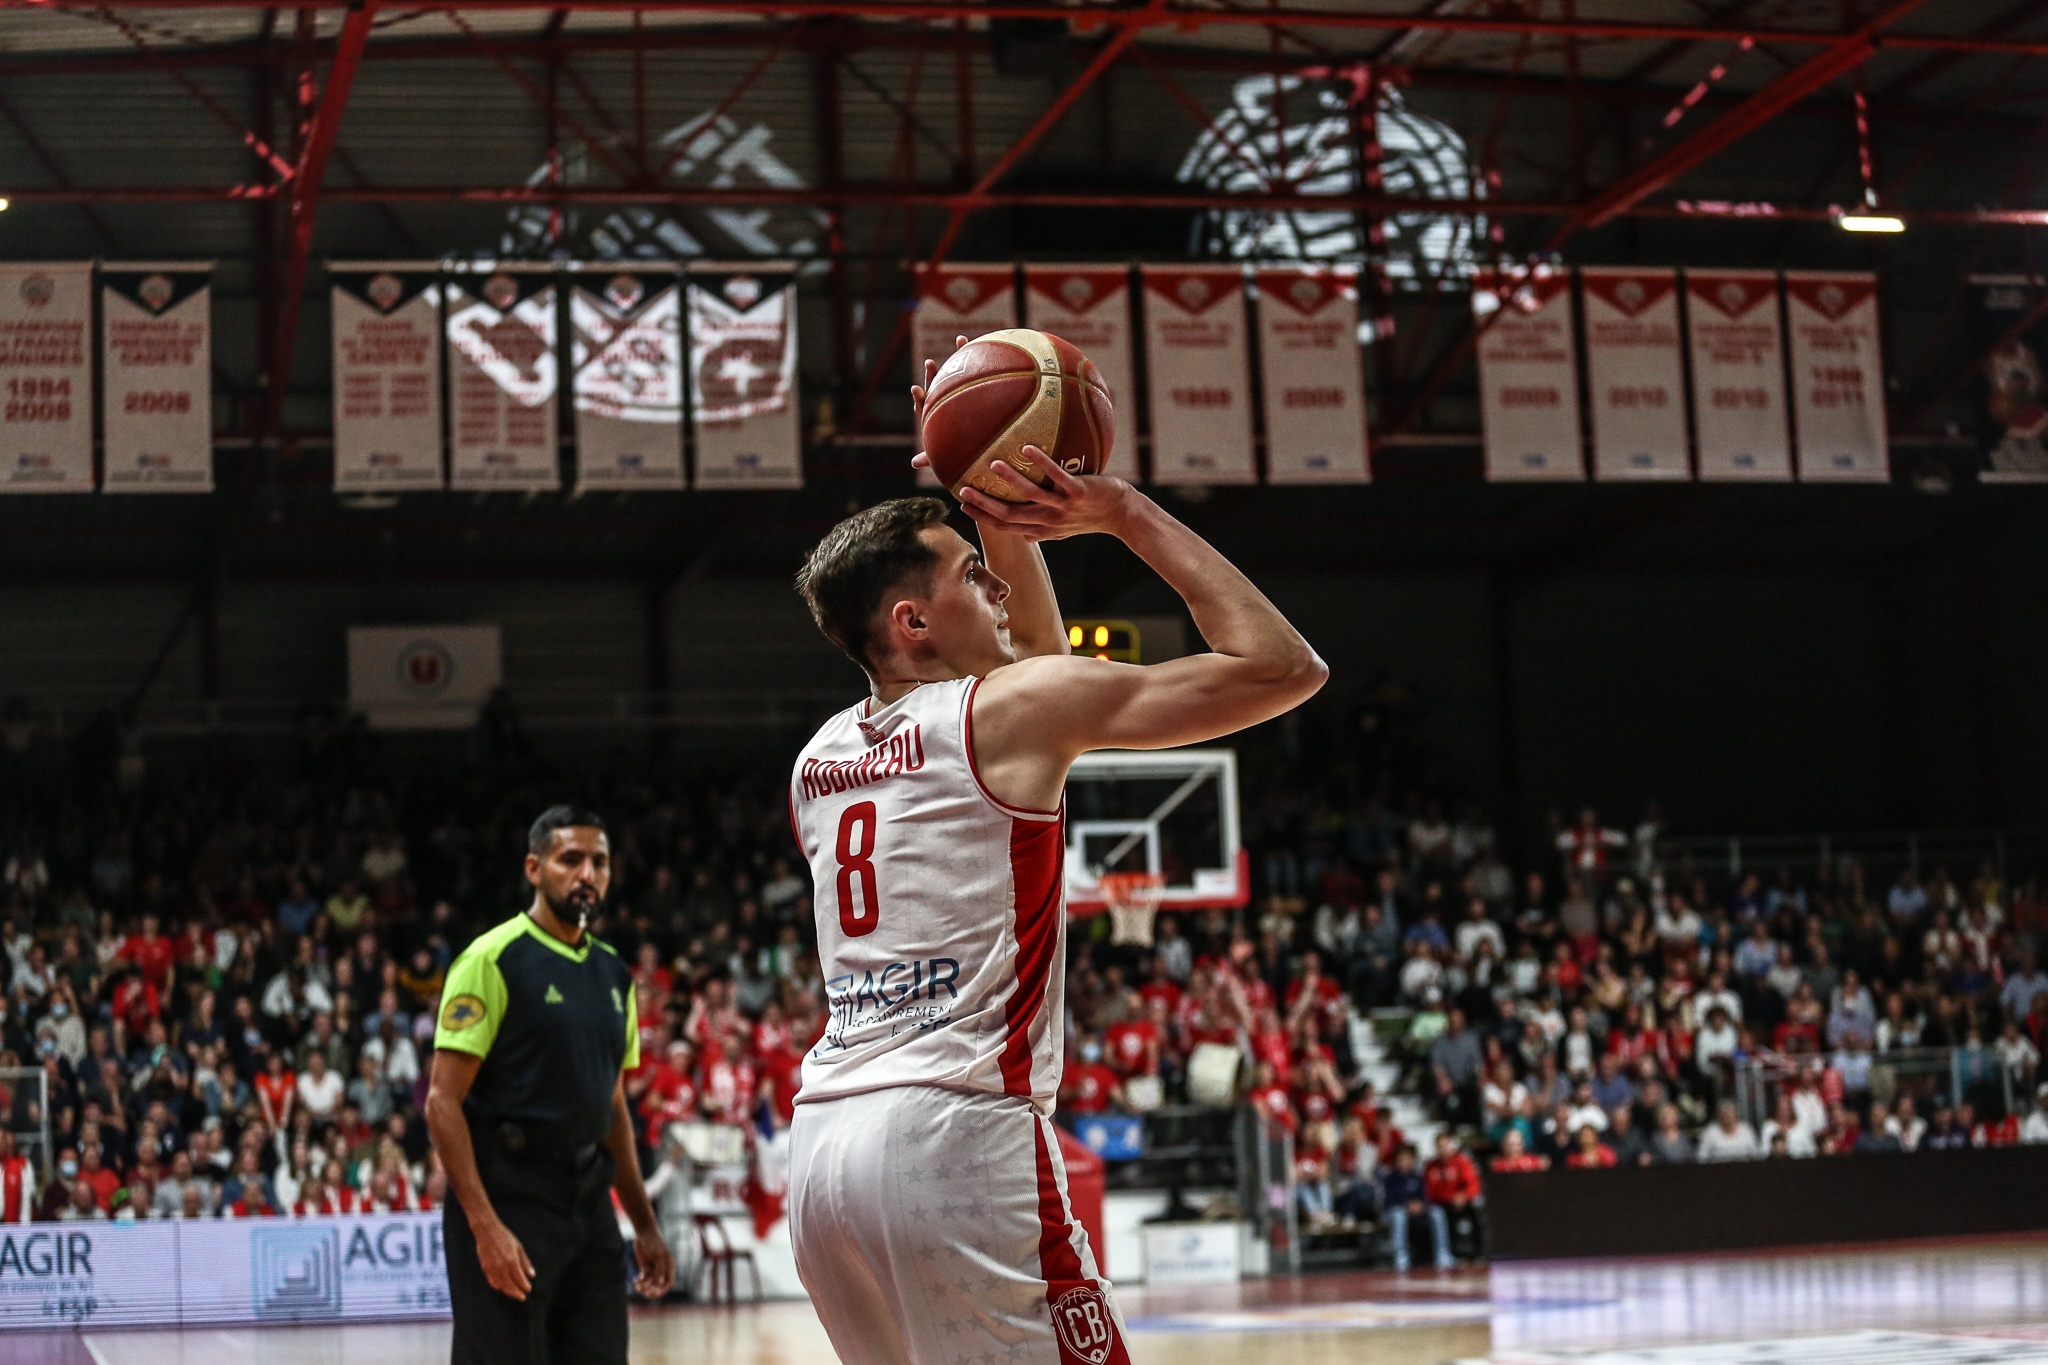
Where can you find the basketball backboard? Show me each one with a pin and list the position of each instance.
(1172, 812)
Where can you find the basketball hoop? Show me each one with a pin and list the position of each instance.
(1133, 899)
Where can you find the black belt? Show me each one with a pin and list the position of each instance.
(522, 1144)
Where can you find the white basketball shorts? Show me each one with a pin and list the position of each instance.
(932, 1227)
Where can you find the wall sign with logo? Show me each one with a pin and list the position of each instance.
(1200, 372)
(1090, 305)
(1635, 374)
(1528, 374)
(1837, 377)
(502, 380)
(422, 677)
(216, 1271)
(387, 376)
(46, 378)
(743, 380)
(1313, 375)
(156, 359)
(2012, 400)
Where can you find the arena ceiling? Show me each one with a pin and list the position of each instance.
(870, 135)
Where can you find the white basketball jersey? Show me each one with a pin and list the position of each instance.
(941, 911)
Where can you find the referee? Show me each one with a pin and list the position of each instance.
(528, 1112)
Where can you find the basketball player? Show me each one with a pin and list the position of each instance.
(928, 1200)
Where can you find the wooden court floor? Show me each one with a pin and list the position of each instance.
(1916, 1304)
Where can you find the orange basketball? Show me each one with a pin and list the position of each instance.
(1009, 389)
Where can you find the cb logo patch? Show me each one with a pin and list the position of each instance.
(1081, 1319)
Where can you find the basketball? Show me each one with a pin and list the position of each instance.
(1009, 389)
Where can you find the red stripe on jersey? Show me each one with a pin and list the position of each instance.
(1082, 1323)
(974, 767)
(1037, 857)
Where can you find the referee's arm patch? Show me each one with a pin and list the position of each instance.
(472, 1005)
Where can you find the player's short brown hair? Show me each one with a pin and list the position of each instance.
(860, 561)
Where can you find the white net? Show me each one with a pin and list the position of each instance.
(1133, 899)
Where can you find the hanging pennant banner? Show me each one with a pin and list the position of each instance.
(1200, 371)
(743, 381)
(46, 378)
(626, 346)
(1837, 377)
(502, 380)
(1738, 375)
(387, 376)
(1635, 376)
(1313, 377)
(1528, 374)
(955, 301)
(1090, 305)
(156, 359)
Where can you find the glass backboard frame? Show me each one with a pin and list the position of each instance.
(1221, 880)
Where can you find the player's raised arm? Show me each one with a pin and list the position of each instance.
(1259, 665)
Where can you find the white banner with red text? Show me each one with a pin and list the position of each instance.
(626, 358)
(743, 376)
(503, 380)
(1090, 305)
(1199, 368)
(387, 376)
(46, 378)
(1738, 375)
(1635, 373)
(1312, 375)
(1837, 377)
(156, 365)
(1528, 374)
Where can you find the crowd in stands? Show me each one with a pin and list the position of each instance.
(230, 983)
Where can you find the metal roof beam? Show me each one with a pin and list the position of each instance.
(1745, 118)
(305, 197)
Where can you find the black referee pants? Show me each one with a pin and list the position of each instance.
(575, 1313)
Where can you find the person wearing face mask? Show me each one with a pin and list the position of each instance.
(1090, 1087)
(57, 1198)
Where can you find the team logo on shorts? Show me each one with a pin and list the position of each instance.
(462, 1012)
(1082, 1320)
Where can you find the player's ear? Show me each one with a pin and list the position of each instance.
(533, 869)
(907, 617)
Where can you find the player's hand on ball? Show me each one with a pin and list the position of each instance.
(657, 1265)
(917, 401)
(1066, 505)
(504, 1260)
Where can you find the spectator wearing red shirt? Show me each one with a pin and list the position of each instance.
(150, 953)
(2003, 1132)
(276, 1090)
(1159, 987)
(1271, 1100)
(1590, 1153)
(1515, 1157)
(1451, 1179)
(670, 1095)
(1133, 1045)
(1090, 1087)
(93, 1171)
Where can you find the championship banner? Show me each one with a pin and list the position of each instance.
(1312, 375)
(2013, 406)
(46, 377)
(1090, 305)
(743, 380)
(156, 362)
(1528, 374)
(502, 380)
(626, 350)
(1635, 376)
(270, 1271)
(955, 301)
(422, 677)
(387, 376)
(1200, 370)
(1738, 375)
(1837, 377)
